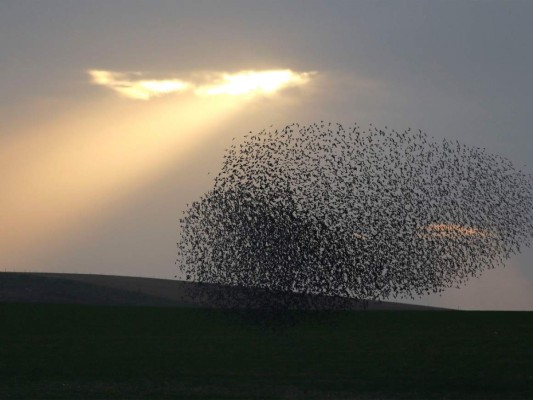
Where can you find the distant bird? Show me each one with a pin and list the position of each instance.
(373, 214)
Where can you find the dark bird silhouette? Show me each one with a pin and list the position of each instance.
(373, 214)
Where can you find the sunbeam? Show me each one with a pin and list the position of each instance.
(78, 167)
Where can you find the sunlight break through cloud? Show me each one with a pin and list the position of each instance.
(140, 89)
(254, 81)
(221, 83)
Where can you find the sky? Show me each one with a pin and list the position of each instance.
(112, 113)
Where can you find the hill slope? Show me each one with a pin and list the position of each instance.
(65, 351)
(126, 290)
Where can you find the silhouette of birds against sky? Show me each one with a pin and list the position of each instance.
(352, 212)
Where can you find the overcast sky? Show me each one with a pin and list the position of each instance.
(113, 112)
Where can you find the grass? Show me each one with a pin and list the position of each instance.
(110, 352)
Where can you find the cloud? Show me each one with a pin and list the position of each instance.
(246, 82)
(242, 83)
(139, 89)
(451, 231)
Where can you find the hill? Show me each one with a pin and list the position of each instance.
(125, 290)
(66, 351)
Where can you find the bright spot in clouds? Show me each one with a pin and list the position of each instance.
(139, 89)
(452, 231)
(233, 84)
(255, 81)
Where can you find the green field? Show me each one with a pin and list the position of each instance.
(72, 351)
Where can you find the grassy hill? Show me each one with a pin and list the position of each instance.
(127, 290)
(59, 351)
(59, 289)
(104, 337)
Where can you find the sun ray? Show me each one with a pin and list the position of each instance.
(61, 181)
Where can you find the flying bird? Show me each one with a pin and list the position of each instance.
(365, 214)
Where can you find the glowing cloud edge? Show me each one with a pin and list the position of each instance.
(242, 83)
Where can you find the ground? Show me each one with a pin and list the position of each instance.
(111, 352)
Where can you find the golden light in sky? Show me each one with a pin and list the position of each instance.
(140, 89)
(76, 169)
(221, 83)
(59, 175)
(247, 82)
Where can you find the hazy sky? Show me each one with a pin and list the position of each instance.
(113, 112)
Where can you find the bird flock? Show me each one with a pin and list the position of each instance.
(367, 214)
